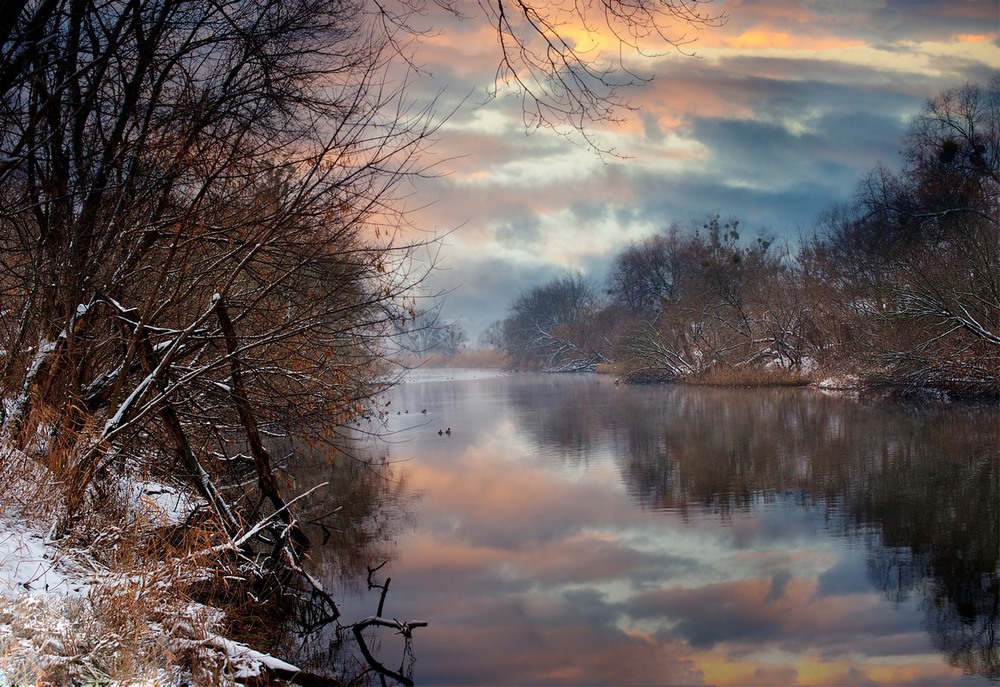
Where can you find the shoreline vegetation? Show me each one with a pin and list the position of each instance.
(206, 256)
(874, 386)
(895, 292)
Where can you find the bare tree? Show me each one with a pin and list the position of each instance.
(424, 332)
(708, 300)
(548, 326)
(197, 216)
(922, 249)
(570, 61)
(647, 274)
(491, 338)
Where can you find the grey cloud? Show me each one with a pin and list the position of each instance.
(785, 212)
(519, 231)
(586, 211)
(888, 20)
(729, 613)
(483, 286)
(651, 127)
(779, 582)
(846, 577)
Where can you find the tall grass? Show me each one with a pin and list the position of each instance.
(746, 376)
(155, 590)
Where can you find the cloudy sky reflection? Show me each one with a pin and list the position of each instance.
(537, 566)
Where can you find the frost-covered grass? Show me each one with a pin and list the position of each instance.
(54, 639)
(111, 603)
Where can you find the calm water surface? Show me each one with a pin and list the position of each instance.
(569, 531)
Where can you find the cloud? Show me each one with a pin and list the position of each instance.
(749, 614)
(480, 287)
(777, 118)
(779, 582)
(848, 576)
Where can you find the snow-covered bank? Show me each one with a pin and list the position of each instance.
(54, 630)
(66, 617)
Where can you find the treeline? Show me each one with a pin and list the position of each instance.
(897, 289)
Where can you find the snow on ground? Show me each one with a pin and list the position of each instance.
(839, 383)
(51, 632)
(42, 601)
(28, 563)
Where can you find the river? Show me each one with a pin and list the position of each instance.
(571, 531)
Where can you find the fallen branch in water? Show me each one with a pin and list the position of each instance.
(404, 628)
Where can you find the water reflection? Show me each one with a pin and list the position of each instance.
(571, 532)
(353, 518)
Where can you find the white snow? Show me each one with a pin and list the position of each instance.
(50, 603)
(28, 563)
(161, 504)
(248, 662)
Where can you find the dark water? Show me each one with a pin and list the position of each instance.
(569, 531)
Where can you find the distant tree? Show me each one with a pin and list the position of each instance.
(455, 339)
(491, 338)
(424, 333)
(720, 302)
(547, 326)
(648, 273)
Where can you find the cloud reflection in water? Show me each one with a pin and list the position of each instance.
(572, 532)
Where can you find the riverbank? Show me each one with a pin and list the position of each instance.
(112, 606)
(957, 382)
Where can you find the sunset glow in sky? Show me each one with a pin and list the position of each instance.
(775, 119)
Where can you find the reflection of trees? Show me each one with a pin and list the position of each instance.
(576, 416)
(358, 514)
(357, 517)
(936, 502)
(918, 487)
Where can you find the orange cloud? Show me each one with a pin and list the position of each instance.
(762, 38)
(975, 37)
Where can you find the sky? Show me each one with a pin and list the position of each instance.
(773, 119)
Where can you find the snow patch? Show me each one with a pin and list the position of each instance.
(29, 563)
(162, 504)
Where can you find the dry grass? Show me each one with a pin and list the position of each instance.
(155, 593)
(747, 377)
